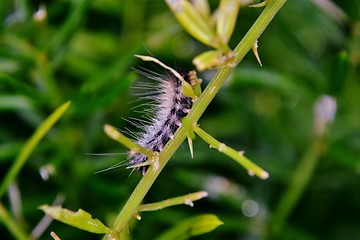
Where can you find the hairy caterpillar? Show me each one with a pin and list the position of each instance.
(170, 106)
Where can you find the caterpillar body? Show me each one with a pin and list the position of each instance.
(170, 106)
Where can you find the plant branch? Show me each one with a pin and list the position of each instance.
(300, 179)
(194, 115)
(238, 156)
(187, 199)
(10, 224)
(114, 134)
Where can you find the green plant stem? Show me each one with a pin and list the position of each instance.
(251, 167)
(114, 134)
(30, 146)
(187, 199)
(12, 226)
(300, 180)
(197, 110)
(240, 51)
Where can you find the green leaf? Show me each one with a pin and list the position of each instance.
(194, 226)
(208, 59)
(80, 219)
(202, 7)
(226, 18)
(12, 225)
(30, 145)
(185, 199)
(193, 22)
(214, 59)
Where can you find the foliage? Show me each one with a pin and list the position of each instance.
(83, 51)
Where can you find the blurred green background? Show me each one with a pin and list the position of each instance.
(83, 51)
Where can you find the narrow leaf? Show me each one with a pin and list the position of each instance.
(192, 227)
(31, 144)
(80, 219)
(202, 7)
(11, 225)
(186, 199)
(193, 22)
(226, 18)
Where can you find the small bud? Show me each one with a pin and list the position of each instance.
(41, 14)
(195, 82)
(187, 90)
(46, 171)
(208, 60)
(324, 113)
(213, 58)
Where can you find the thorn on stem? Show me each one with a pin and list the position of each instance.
(137, 216)
(254, 49)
